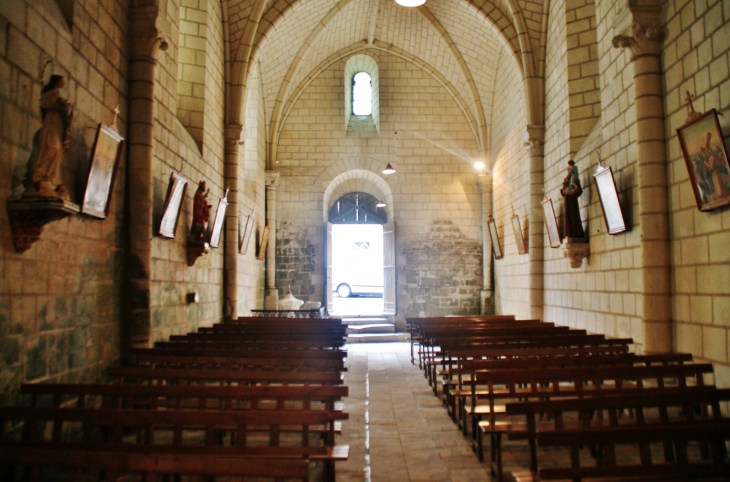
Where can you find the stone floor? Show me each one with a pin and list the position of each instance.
(398, 430)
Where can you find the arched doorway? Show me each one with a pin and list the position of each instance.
(360, 256)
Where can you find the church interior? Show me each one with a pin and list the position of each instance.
(199, 147)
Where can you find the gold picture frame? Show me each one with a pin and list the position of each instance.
(264, 243)
(220, 218)
(173, 202)
(551, 223)
(246, 238)
(610, 204)
(494, 235)
(519, 238)
(105, 154)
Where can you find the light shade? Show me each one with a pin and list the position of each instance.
(380, 204)
(479, 165)
(388, 170)
(410, 3)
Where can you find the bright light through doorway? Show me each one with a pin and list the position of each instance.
(357, 269)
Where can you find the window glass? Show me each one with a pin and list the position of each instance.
(362, 94)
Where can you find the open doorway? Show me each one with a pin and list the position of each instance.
(357, 269)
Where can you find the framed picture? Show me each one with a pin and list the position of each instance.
(610, 204)
(173, 202)
(551, 223)
(246, 238)
(496, 247)
(521, 245)
(220, 217)
(105, 154)
(707, 161)
(264, 243)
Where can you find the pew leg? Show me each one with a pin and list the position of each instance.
(533, 454)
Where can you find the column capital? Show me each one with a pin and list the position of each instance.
(232, 133)
(535, 139)
(144, 36)
(271, 179)
(646, 40)
(485, 182)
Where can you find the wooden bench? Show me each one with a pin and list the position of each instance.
(554, 383)
(187, 376)
(282, 345)
(679, 467)
(650, 406)
(167, 360)
(182, 432)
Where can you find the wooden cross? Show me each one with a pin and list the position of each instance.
(116, 114)
(692, 113)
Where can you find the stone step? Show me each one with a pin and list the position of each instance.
(364, 320)
(371, 328)
(377, 338)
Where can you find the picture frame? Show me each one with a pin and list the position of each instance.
(264, 243)
(173, 202)
(613, 213)
(220, 217)
(706, 157)
(551, 223)
(519, 238)
(494, 235)
(105, 154)
(246, 238)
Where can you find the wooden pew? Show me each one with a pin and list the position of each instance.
(573, 382)
(650, 406)
(187, 376)
(254, 345)
(181, 350)
(229, 432)
(167, 360)
(679, 467)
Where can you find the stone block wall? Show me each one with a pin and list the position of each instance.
(436, 200)
(695, 59)
(61, 301)
(509, 159)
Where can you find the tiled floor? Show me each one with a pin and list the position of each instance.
(398, 430)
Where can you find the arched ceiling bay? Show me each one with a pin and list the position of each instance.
(460, 39)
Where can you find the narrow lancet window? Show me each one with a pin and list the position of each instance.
(362, 94)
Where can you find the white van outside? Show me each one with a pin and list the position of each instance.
(358, 260)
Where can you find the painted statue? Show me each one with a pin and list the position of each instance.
(571, 191)
(49, 143)
(201, 213)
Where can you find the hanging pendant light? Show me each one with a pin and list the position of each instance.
(410, 3)
(380, 204)
(388, 170)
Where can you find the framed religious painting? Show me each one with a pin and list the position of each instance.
(494, 235)
(706, 157)
(610, 203)
(246, 238)
(173, 203)
(519, 238)
(551, 223)
(264, 243)
(220, 217)
(105, 154)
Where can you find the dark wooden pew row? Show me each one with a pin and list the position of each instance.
(565, 382)
(467, 368)
(259, 433)
(254, 352)
(161, 360)
(624, 408)
(254, 345)
(677, 468)
(313, 338)
(199, 376)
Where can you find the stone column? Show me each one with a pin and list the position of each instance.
(233, 182)
(487, 293)
(535, 144)
(272, 181)
(645, 45)
(144, 42)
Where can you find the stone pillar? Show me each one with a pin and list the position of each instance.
(487, 293)
(233, 182)
(535, 144)
(272, 181)
(645, 45)
(144, 42)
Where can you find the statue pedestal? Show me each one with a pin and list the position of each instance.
(576, 249)
(195, 250)
(28, 217)
(272, 299)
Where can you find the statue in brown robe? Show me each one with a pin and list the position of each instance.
(571, 191)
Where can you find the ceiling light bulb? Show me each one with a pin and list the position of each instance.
(380, 204)
(479, 165)
(410, 3)
(388, 170)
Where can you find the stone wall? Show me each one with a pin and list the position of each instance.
(695, 59)
(61, 301)
(511, 187)
(436, 201)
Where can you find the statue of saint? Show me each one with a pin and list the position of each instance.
(49, 143)
(201, 213)
(571, 191)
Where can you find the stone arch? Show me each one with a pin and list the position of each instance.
(356, 180)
